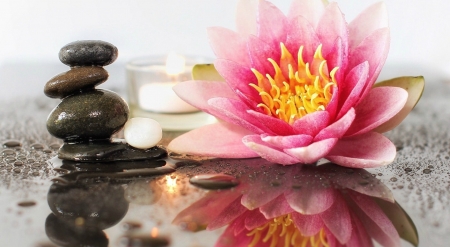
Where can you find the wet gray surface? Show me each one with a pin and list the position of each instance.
(419, 180)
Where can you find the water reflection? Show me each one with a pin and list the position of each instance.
(82, 210)
(301, 206)
(91, 197)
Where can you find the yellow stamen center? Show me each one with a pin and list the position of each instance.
(297, 88)
(283, 229)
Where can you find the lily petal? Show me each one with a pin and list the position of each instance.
(359, 237)
(338, 128)
(311, 10)
(227, 142)
(255, 143)
(275, 125)
(283, 142)
(308, 225)
(331, 26)
(311, 200)
(414, 86)
(254, 219)
(258, 49)
(272, 24)
(371, 19)
(400, 219)
(229, 45)
(357, 181)
(266, 192)
(246, 17)
(375, 221)
(351, 90)
(363, 151)
(380, 105)
(230, 213)
(276, 208)
(206, 209)
(337, 219)
(235, 111)
(237, 77)
(312, 123)
(312, 153)
(373, 49)
(197, 93)
(302, 33)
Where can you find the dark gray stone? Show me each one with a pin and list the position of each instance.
(91, 115)
(88, 52)
(74, 80)
(107, 151)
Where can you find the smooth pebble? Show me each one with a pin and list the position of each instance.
(142, 133)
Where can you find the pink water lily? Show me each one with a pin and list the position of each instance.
(310, 206)
(299, 87)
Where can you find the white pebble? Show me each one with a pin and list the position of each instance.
(142, 133)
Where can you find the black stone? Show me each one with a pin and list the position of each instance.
(95, 114)
(74, 80)
(107, 152)
(88, 52)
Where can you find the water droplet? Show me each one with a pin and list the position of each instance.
(296, 186)
(17, 170)
(275, 183)
(364, 183)
(54, 146)
(26, 203)
(21, 157)
(430, 166)
(407, 169)
(393, 179)
(8, 152)
(214, 181)
(12, 144)
(37, 146)
(18, 163)
(349, 171)
(380, 174)
(10, 159)
(426, 171)
(400, 187)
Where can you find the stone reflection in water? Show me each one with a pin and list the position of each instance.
(325, 205)
(90, 197)
(82, 210)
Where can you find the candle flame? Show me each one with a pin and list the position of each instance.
(154, 232)
(175, 64)
(171, 183)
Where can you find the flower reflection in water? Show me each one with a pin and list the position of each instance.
(325, 205)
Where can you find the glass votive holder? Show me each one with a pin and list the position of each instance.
(149, 84)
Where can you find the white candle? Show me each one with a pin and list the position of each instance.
(158, 96)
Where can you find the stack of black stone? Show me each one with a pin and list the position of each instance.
(87, 117)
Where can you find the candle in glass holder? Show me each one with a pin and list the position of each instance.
(159, 96)
(150, 94)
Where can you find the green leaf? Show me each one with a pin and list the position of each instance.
(400, 219)
(206, 72)
(414, 86)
